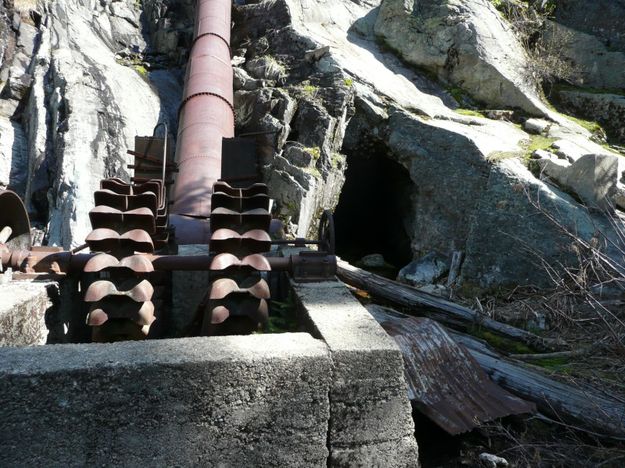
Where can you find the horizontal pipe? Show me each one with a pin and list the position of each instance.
(45, 262)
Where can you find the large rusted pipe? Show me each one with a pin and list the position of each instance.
(206, 116)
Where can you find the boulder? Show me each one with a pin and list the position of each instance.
(373, 261)
(242, 80)
(536, 126)
(592, 63)
(572, 149)
(13, 156)
(426, 270)
(593, 178)
(466, 43)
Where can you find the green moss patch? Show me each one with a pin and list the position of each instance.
(501, 343)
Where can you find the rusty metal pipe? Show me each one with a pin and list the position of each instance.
(206, 116)
(66, 262)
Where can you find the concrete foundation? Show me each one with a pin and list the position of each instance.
(231, 401)
(335, 396)
(371, 418)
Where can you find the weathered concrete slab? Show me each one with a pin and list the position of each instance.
(371, 417)
(24, 307)
(259, 400)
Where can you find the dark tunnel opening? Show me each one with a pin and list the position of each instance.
(374, 208)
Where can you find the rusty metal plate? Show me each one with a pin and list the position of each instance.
(116, 307)
(250, 191)
(116, 185)
(107, 240)
(241, 245)
(240, 204)
(14, 216)
(150, 186)
(119, 330)
(255, 234)
(135, 289)
(225, 261)
(149, 156)
(226, 286)
(256, 310)
(126, 202)
(444, 381)
(247, 221)
(308, 267)
(239, 161)
(151, 149)
(135, 263)
(112, 218)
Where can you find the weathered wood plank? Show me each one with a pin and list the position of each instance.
(436, 308)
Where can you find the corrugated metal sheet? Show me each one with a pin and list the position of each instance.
(445, 383)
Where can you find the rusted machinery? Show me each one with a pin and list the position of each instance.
(216, 199)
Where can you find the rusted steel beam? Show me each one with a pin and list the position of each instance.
(206, 115)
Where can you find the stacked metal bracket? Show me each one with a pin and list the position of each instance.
(128, 218)
(236, 302)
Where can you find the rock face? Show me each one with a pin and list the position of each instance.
(600, 18)
(321, 86)
(593, 63)
(74, 108)
(606, 108)
(465, 43)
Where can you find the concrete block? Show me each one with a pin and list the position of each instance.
(371, 415)
(259, 400)
(394, 454)
(369, 421)
(24, 308)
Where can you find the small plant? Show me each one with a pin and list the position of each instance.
(498, 4)
(537, 142)
(141, 70)
(470, 112)
(314, 151)
(337, 160)
(310, 89)
(273, 68)
(348, 82)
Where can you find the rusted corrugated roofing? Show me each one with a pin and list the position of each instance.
(444, 381)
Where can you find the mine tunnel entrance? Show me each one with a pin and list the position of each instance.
(374, 208)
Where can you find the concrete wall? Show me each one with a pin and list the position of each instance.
(230, 401)
(371, 417)
(335, 398)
